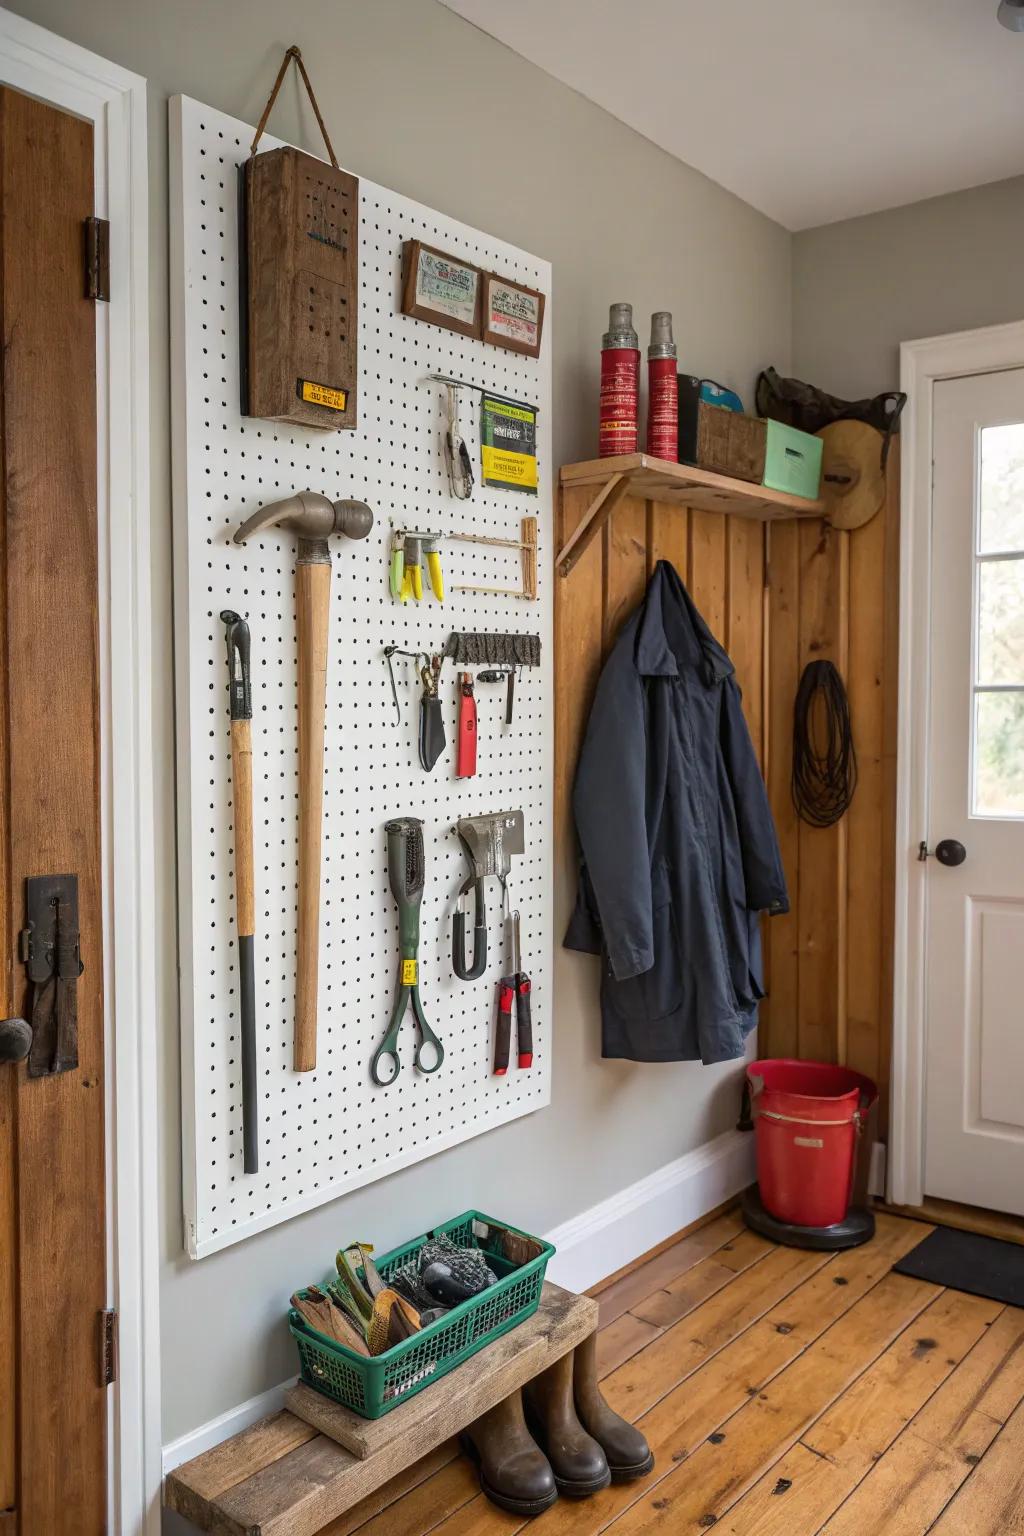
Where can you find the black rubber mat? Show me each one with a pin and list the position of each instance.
(984, 1266)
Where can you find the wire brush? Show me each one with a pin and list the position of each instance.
(823, 779)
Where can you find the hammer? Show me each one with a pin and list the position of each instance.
(313, 518)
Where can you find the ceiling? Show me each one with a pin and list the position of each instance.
(811, 110)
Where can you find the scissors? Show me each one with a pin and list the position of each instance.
(406, 873)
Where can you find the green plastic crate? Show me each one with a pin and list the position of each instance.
(373, 1386)
(792, 461)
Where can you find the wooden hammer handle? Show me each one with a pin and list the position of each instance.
(313, 601)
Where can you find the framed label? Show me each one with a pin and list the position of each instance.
(440, 288)
(513, 315)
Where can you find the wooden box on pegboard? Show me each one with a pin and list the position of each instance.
(302, 282)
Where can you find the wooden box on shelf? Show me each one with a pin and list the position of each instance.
(731, 443)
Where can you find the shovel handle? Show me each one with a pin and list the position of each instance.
(245, 916)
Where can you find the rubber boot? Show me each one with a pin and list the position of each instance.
(577, 1460)
(514, 1474)
(628, 1453)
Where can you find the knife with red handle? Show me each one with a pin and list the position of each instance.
(465, 766)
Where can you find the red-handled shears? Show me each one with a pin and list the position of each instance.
(513, 989)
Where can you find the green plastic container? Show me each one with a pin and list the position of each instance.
(792, 461)
(373, 1386)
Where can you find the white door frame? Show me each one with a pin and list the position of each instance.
(922, 364)
(113, 99)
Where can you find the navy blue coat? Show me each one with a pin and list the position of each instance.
(679, 853)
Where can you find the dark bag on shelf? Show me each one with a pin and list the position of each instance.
(809, 408)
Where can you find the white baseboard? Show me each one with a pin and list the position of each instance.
(589, 1246)
(618, 1230)
(224, 1426)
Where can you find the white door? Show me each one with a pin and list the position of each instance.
(974, 1113)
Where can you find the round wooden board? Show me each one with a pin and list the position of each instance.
(853, 450)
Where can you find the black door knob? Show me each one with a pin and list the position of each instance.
(950, 852)
(15, 1039)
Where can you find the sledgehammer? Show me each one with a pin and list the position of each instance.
(313, 519)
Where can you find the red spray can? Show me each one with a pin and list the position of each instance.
(620, 384)
(662, 390)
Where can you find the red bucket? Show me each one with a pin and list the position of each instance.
(808, 1120)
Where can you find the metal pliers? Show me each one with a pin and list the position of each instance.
(513, 987)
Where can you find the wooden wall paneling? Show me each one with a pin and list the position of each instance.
(707, 582)
(779, 1027)
(577, 621)
(820, 850)
(777, 596)
(744, 622)
(668, 537)
(842, 661)
(624, 545)
(864, 686)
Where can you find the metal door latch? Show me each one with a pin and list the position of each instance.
(48, 947)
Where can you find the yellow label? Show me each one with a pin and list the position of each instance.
(323, 394)
(518, 412)
(408, 973)
(512, 468)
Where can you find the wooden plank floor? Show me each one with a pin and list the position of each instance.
(784, 1394)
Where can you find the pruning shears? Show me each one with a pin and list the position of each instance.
(513, 988)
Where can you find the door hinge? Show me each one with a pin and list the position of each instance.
(108, 1347)
(97, 259)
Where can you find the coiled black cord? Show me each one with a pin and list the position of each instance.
(825, 777)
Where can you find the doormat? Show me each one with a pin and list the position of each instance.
(984, 1266)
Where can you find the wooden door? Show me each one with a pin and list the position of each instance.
(52, 1221)
(974, 1098)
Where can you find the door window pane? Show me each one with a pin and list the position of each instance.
(999, 754)
(1001, 524)
(1000, 621)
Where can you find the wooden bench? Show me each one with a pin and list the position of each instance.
(288, 1475)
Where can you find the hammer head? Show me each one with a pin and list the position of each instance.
(310, 516)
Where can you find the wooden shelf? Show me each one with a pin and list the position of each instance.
(649, 479)
(288, 1475)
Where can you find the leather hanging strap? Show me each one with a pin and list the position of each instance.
(293, 53)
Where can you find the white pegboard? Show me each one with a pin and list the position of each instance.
(332, 1130)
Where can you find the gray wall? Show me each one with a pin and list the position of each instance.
(862, 286)
(398, 81)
